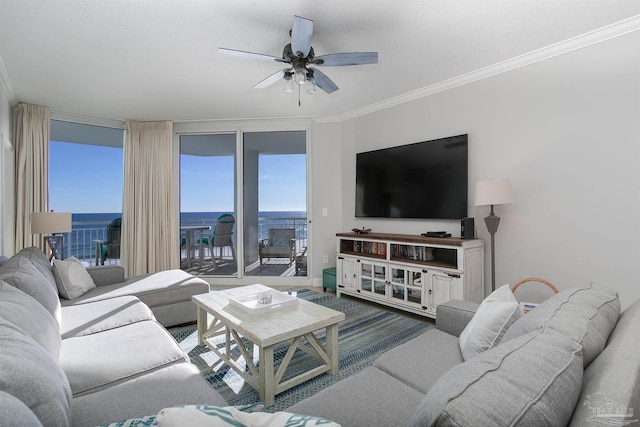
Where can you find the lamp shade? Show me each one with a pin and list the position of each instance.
(50, 222)
(493, 192)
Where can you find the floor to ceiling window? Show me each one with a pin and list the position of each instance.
(85, 178)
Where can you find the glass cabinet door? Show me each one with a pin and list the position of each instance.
(406, 285)
(398, 283)
(366, 277)
(373, 279)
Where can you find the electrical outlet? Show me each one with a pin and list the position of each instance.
(325, 259)
(325, 212)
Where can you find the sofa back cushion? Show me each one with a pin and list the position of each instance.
(586, 315)
(534, 379)
(29, 315)
(14, 413)
(611, 383)
(30, 374)
(39, 261)
(21, 273)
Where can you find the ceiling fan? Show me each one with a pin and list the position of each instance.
(300, 57)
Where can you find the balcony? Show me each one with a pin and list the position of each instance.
(81, 243)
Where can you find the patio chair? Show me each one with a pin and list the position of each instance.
(280, 244)
(301, 263)
(220, 237)
(111, 247)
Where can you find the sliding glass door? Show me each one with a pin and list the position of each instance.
(265, 234)
(275, 200)
(208, 205)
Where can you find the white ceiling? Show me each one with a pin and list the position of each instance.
(157, 60)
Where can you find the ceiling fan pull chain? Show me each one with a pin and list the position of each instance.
(299, 90)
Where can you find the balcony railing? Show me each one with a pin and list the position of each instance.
(81, 241)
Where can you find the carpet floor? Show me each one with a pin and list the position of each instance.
(366, 333)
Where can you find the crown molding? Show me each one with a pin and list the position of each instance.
(596, 36)
(86, 119)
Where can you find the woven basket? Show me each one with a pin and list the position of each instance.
(533, 279)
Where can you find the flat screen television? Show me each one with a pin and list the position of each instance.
(421, 180)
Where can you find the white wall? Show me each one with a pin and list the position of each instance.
(566, 132)
(326, 193)
(6, 176)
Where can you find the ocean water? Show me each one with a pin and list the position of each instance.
(89, 227)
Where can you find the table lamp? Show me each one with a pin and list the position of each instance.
(493, 192)
(51, 224)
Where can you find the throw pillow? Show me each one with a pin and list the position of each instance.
(533, 380)
(492, 319)
(206, 415)
(72, 278)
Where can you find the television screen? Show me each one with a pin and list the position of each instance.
(421, 180)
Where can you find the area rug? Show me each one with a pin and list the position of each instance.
(366, 333)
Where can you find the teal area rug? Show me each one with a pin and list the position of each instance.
(366, 333)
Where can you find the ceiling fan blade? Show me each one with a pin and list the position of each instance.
(301, 34)
(353, 58)
(271, 79)
(251, 55)
(324, 82)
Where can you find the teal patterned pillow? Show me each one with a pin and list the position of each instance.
(134, 422)
(151, 420)
(206, 415)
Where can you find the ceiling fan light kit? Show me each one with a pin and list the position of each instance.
(299, 55)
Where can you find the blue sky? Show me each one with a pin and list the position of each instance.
(88, 179)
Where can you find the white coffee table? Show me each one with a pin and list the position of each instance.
(265, 330)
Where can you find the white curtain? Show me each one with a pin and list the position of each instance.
(32, 171)
(149, 218)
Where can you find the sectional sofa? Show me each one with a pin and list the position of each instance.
(100, 357)
(573, 360)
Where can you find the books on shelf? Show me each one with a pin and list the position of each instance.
(418, 253)
(372, 248)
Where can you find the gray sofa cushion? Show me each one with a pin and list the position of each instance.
(92, 362)
(29, 315)
(22, 273)
(40, 261)
(531, 380)
(164, 287)
(86, 319)
(176, 384)
(612, 380)
(586, 315)
(370, 398)
(31, 375)
(407, 361)
(14, 413)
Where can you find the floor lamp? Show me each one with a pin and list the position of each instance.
(493, 192)
(49, 224)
